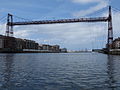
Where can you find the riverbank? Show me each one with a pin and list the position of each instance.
(29, 51)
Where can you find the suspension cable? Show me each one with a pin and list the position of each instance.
(22, 18)
(116, 9)
(4, 17)
(98, 11)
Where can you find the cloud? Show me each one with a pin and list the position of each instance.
(72, 36)
(101, 4)
(22, 33)
(85, 1)
(116, 24)
(2, 29)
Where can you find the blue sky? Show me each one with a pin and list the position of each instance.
(76, 36)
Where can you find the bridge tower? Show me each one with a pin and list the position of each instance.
(110, 30)
(9, 26)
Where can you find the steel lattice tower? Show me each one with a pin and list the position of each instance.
(9, 26)
(110, 30)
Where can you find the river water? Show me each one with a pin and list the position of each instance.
(57, 71)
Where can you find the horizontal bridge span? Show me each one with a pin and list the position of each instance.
(98, 19)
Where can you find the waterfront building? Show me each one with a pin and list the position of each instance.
(12, 44)
(20, 43)
(56, 48)
(63, 50)
(51, 48)
(40, 47)
(116, 43)
(45, 47)
(8, 43)
(1, 42)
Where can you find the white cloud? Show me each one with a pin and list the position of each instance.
(22, 33)
(116, 24)
(2, 29)
(73, 36)
(90, 10)
(86, 1)
(101, 4)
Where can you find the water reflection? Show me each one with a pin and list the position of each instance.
(110, 66)
(8, 70)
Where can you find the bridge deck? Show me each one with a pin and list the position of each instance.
(98, 19)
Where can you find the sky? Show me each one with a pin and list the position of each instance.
(73, 36)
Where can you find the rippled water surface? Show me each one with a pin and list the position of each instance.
(70, 71)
